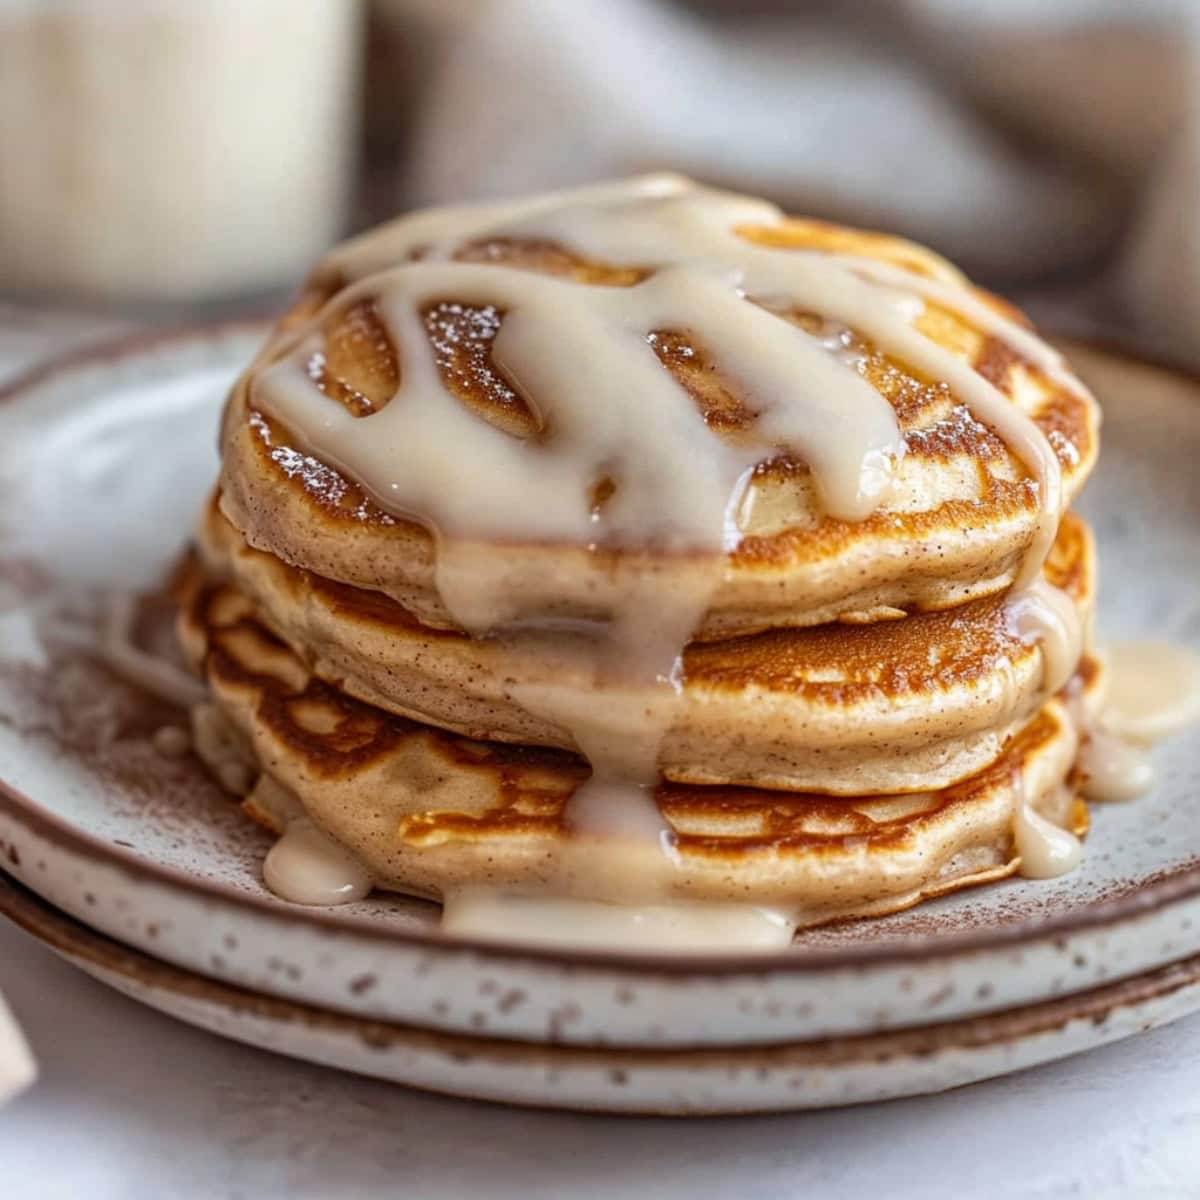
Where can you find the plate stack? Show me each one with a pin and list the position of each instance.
(777, 615)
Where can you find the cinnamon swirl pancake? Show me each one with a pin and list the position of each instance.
(959, 513)
(641, 545)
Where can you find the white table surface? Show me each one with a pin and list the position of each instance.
(131, 1105)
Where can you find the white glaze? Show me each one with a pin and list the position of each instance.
(484, 913)
(1154, 690)
(1045, 615)
(307, 866)
(1045, 850)
(1113, 768)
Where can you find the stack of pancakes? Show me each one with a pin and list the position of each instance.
(859, 717)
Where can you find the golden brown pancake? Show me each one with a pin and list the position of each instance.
(430, 812)
(898, 706)
(961, 513)
(758, 616)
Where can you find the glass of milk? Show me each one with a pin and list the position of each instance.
(179, 150)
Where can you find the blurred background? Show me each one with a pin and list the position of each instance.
(164, 160)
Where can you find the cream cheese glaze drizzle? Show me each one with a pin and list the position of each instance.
(306, 866)
(481, 912)
(1045, 849)
(1153, 691)
(608, 410)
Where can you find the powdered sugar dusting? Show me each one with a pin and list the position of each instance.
(318, 479)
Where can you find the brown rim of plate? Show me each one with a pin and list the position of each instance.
(71, 938)
(1121, 904)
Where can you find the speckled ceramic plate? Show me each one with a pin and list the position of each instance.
(104, 458)
(708, 1081)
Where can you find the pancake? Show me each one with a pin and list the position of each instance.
(961, 512)
(900, 706)
(429, 813)
(638, 547)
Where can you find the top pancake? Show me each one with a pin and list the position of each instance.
(961, 513)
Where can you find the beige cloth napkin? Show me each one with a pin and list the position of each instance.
(17, 1068)
(1028, 141)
